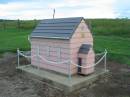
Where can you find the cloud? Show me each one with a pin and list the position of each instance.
(40, 9)
(122, 7)
(86, 8)
(24, 10)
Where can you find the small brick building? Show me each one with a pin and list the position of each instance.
(63, 39)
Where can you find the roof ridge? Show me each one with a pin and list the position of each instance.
(62, 18)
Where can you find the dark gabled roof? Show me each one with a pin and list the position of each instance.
(61, 28)
(84, 49)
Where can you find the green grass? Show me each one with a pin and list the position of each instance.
(118, 48)
(110, 34)
(11, 39)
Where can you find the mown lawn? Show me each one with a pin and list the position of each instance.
(11, 39)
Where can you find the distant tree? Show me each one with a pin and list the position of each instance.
(1, 20)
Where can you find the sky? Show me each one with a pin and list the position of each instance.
(42, 9)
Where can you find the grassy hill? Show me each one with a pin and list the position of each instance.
(110, 34)
(110, 27)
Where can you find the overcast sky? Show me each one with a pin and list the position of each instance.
(41, 9)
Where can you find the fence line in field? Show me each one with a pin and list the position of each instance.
(19, 24)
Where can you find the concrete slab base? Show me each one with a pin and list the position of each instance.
(62, 82)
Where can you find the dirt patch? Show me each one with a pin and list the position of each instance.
(16, 84)
(117, 84)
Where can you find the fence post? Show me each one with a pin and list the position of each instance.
(35, 22)
(59, 54)
(105, 58)
(18, 56)
(69, 71)
(18, 24)
(29, 39)
(38, 56)
(4, 24)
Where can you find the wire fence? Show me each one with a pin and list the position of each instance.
(18, 24)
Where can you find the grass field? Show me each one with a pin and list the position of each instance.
(112, 27)
(12, 39)
(110, 34)
(118, 48)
